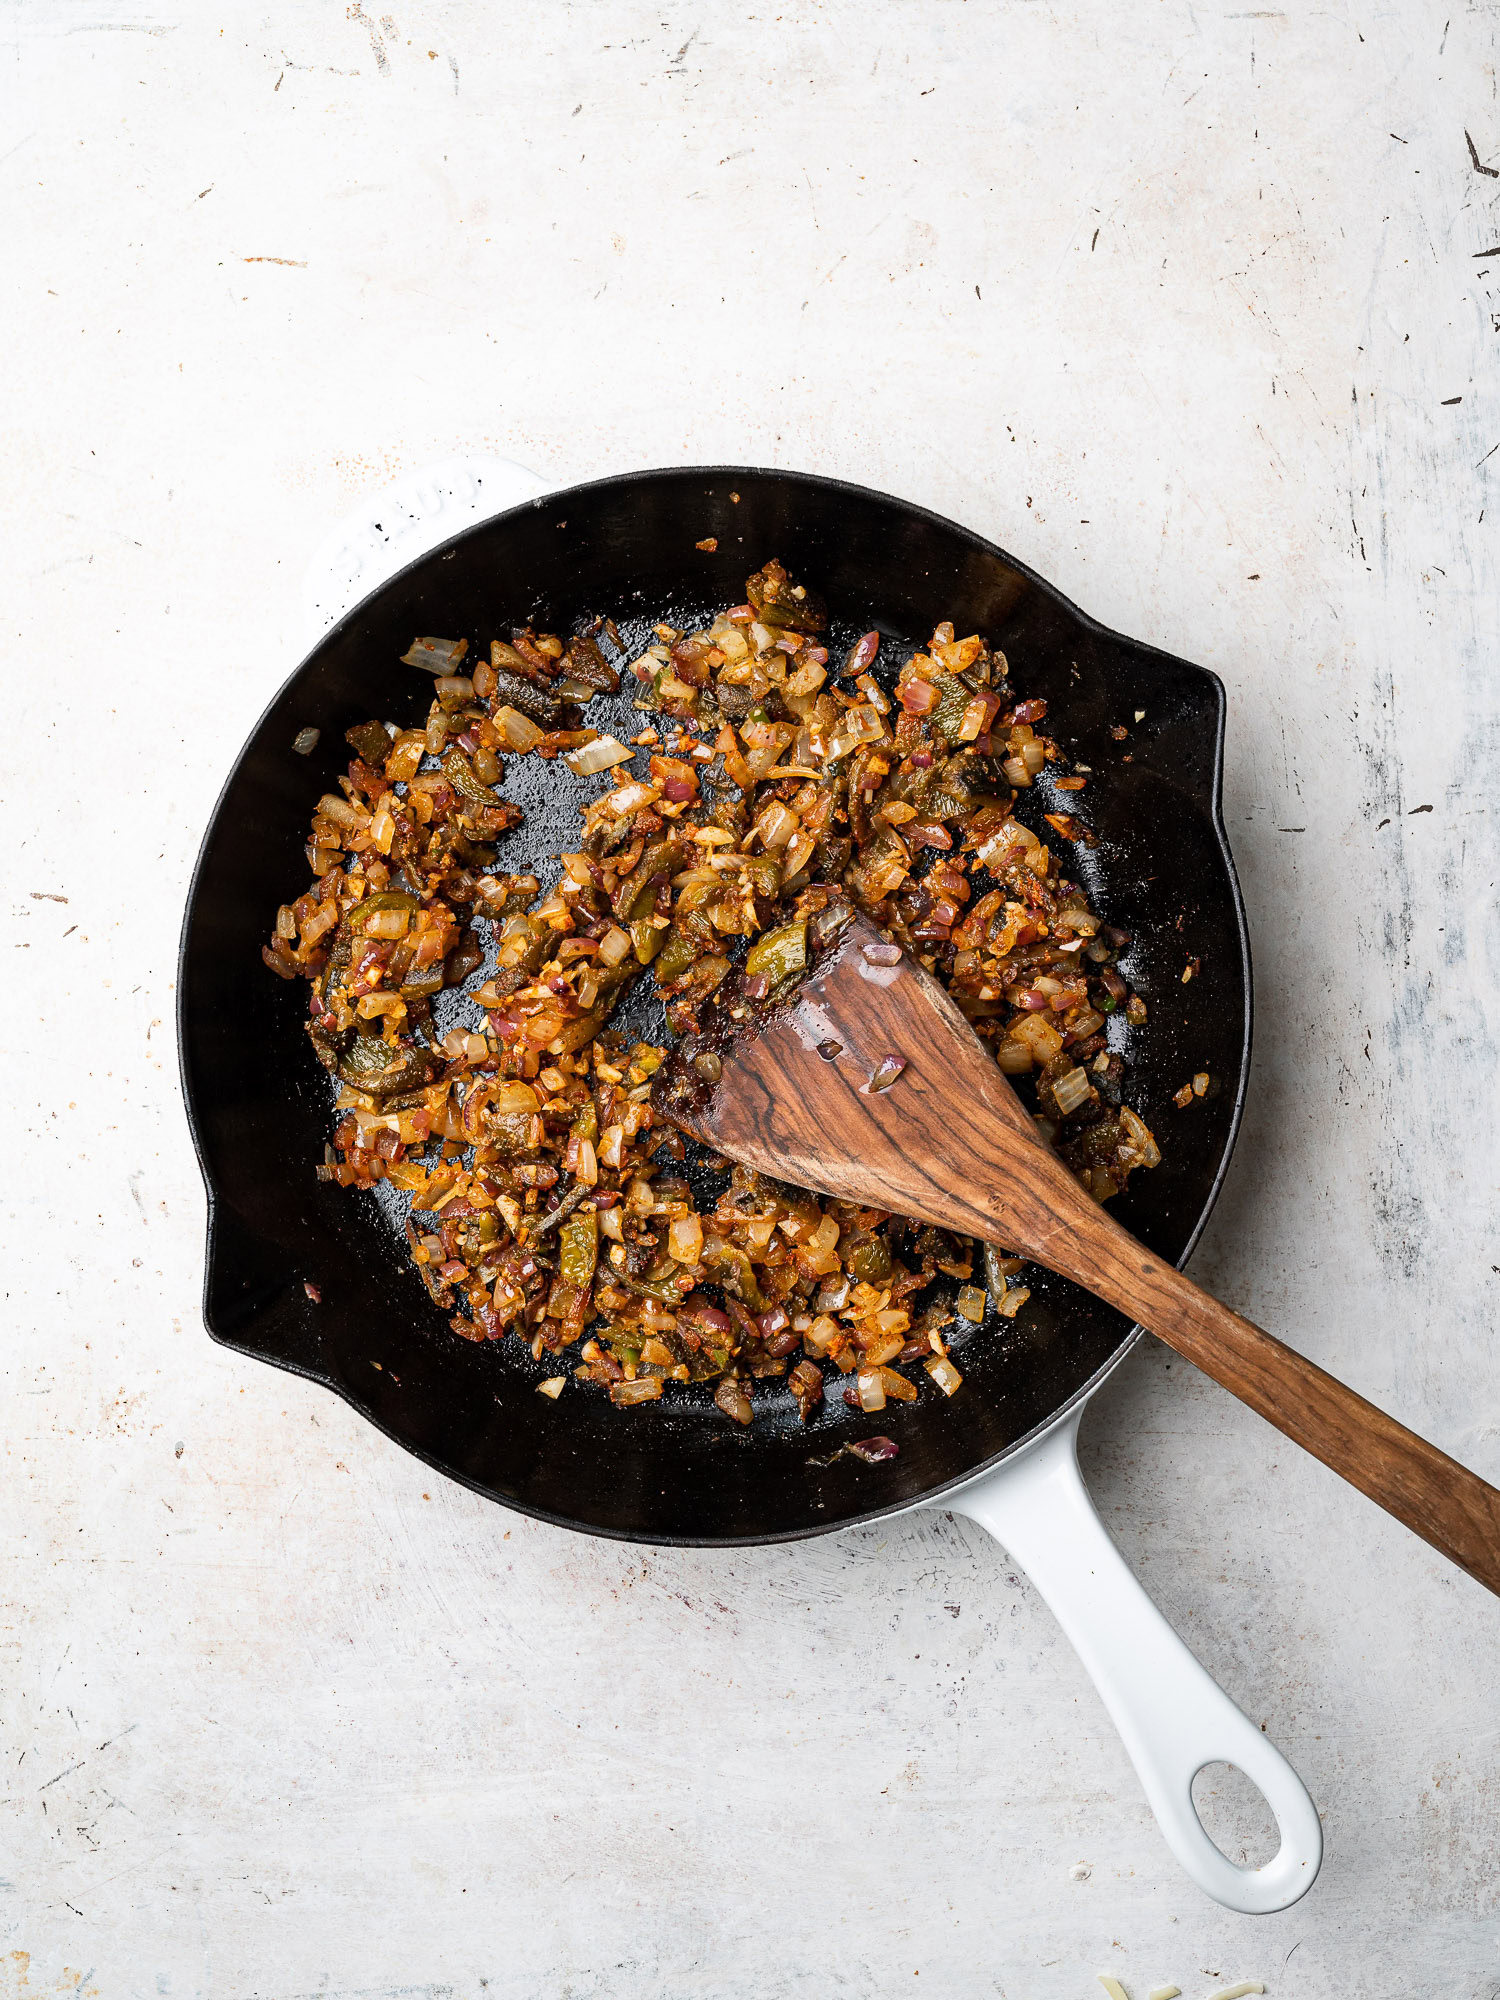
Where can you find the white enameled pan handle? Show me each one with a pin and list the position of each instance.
(1171, 1714)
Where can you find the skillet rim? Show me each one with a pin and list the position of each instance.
(933, 1495)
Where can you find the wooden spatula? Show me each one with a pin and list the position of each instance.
(867, 1083)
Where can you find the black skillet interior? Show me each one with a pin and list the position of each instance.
(676, 1471)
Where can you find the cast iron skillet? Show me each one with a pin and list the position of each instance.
(675, 1471)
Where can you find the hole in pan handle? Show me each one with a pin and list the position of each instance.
(1173, 1717)
(392, 527)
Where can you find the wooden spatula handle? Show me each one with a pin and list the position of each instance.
(1437, 1498)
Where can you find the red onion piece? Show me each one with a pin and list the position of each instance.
(757, 986)
(886, 1072)
(705, 1313)
(861, 655)
(771, 1323)
(873, 1450)
(882, 952)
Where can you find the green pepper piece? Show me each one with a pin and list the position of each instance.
(586, 1124)
(870, 1262)
(647, 939)
(953, 700)
(631, 897)
(460, 775)
(391, 899)
(578, 1248)
(369, 742)
(778, 955)
(765, 874)
(674, 956)
(737, 1275)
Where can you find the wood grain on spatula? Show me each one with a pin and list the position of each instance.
(794, 1090)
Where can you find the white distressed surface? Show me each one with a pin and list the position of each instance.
(1170, 300)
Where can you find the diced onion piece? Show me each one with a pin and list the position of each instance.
(974, 718)
(1013, 1301)
(884, 1347)
(600, 755)
(897, 1386)
(820, 1336)
(732, 1400)
(1071, 1090)
(1013, 1057)
(1039, 1035)
(553, 1386)
(777, 824)
(808, 678)
(306, 741)
(341, 812)
(1139, 1138)
(799, 851)
(973, 1302)
(871, 689)
(1200, 1083)
(685, 1239)
(614, 946)
(644, 1389)
(860, 725)
(825, 1236)
(518, 731)
(870, 1387)
(438, 656)
(944, 1374)
(625, 798)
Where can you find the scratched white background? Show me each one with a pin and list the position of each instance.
(1189, 306)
